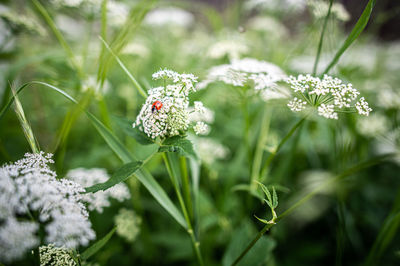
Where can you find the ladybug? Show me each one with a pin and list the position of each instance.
(156, 106)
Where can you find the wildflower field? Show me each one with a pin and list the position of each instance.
(243, 132)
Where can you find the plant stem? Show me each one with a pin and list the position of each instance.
(186, 186)
(346, 173)
(283, 141)
(255, 170)
(174, 180)
(321, 39)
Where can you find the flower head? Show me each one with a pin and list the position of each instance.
(52, 255)
(28, 187)
(128, 224)
(171, 115)
(261, 75)
(328, 95)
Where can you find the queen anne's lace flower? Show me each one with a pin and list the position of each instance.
(51, 255)
(210, 150)
(320, 8)
(328, 95)
(261, 75)
(171, 115)
(128, 224)
(29, 187)
(97, 201)
(201, 128)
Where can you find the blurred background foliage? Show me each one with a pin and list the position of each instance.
(353, 222)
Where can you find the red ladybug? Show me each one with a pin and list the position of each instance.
(156, 106)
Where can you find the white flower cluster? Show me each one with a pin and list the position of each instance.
(166, 110)
(328, 95)
(210, 150)
(97, 201)
(128, 224)
(29, 188)
(233, 49)
(262, 75)
(169, 16)
(373, 126)
(319, 9)
(276, 5)
(51, 255)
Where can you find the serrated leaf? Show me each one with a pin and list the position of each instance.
(178, 144)
(266, 192)
(93, 249)
(122, 174)
(126, 126)
(274, 198)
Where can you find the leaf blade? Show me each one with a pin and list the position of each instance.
(93, 249)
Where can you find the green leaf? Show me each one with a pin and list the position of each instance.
(122, 174)
(274, 198)
(267, 193)
(126, 126)
(358, 28)
(181, 145)
(261, 220)
(159, 194)
(97, 246)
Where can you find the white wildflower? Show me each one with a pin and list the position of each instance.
(166, 110)
(327, 111)
(260, 75)
(269, 25)
(210, 150)
(276, 5)
(233, 49)
(30, 186)
(128, 224)
(373, 126)
(169, 16)
(389, 98)
(296, 105)
(328, 95)
(362, 107)
(51, 255)
(97, 201)
(319, 9)
(201, 128)
(206, 115)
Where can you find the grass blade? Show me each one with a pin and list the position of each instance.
(134, 81)
(321, 39)
(93, 249)
(25, 124)
(358, 28)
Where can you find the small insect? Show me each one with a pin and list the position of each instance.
(156, 106)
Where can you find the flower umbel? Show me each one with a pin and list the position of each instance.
(171, 117)
(328, 95)
(30, 189)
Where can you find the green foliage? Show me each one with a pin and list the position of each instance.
(93, 249)
(179, 145)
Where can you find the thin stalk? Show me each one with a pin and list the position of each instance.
(104, 112)
(321, 39)
(174, 180)
(306, 198)
(42, 10)
(186, 186)
(255, 170)
(246, 129)
(283, 141)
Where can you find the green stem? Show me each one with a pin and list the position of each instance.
(255, 170)
(283, 141)
(321, 39)
(174, 180)
(42, 10)
(346, 173)
(186, 186)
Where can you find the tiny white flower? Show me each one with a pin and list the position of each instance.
(128, 224)
(201, 128)
(328, 95)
